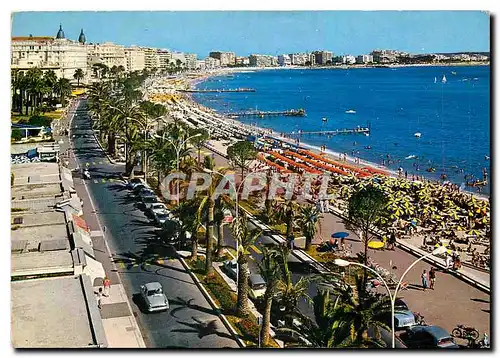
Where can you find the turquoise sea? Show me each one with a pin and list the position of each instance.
(453, 117)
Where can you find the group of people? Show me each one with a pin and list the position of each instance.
(323, 206)
(103, 291)
(429, 279)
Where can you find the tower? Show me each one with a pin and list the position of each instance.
(81, 38)
(60, 33)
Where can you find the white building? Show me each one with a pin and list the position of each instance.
(348, 60)
(364, 59)
(262, 60)
(59, 54)
(108, 54)
(151, 58)
(284, 60)
(164, 59)
(298, 59)
(135, 58)
(225, 58)
(190, 60)
(323, 57)
(242, 61)
(211, 63)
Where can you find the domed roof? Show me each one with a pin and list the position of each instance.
(81, 38)
(60, 33)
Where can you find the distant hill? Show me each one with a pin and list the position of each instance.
(465, 53)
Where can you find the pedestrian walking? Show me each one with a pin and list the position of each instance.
(424, 280)
(107, 284)
(99, 297)
(432, 277)
(448, 261)
(327, 205)
(321, 206)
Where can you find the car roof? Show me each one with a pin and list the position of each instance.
(256, 279)
(435, 331)
(152, 286)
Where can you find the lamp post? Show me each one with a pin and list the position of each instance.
(344, 263)
(236, 189)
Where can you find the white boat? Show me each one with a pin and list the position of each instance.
(411, 156)
(444, 79)
(435, 79)
(350, 111)
(418, 135)
(324, 119)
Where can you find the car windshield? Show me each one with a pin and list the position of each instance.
(133, 181)
(150, 199)
(154, 292)
(162, 216)
(158, 206)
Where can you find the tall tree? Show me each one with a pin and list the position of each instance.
(287, 211)
(79, 75)
(245, 237)
(270, 271)
(240, 154)
(309, 219)
(366, 208)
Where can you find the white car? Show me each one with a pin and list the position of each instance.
(157, 208)
(132, 183)
(160, 217)
(153, 297)
(257, 286)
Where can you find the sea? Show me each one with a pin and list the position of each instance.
(419, 117)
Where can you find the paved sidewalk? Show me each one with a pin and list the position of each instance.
(120, 326)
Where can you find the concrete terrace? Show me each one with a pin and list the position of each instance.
(64, 318)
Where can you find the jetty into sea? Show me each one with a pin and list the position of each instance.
(291, 112)
(358, 130)
(218, 90)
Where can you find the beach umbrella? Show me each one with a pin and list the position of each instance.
(340, 235)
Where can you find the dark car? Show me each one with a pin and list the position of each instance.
(428, 337)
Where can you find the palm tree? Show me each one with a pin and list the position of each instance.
(367, 206)
(79, 75)
(308, 221)
(63, 89)
(289, 293)
(187, 212)
(245, 238)
(353, 315)
(286, 212)
(199, 141)
(269, 269)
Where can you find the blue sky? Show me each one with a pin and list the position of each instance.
(343, 32)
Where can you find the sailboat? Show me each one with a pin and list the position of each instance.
(444, 79)
(435, 79)
(324, 119)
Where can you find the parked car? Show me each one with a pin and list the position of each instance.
(160, 217)
(154, 298)
(428, 337)
(257, 286)
(145, 192)
(139, 187)
(230, 268)
(148, 200)
(403, 317)
(132, 183)
(157, 208)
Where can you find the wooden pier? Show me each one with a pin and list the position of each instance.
(290, 112)
(358, 130)
(218, 90)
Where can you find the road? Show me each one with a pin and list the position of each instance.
(190, 322)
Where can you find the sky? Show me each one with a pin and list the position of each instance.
(270, 32)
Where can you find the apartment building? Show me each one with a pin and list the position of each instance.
(135, 59)
(151, 58)
(284, 60)
(262, 60)
(323, 57)
(59, 54)
(364, 59)
(225, 58)
(106, 53)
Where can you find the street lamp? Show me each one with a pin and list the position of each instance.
(345, 263)
(236, 189)
(178, 148)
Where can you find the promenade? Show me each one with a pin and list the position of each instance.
(453, 301)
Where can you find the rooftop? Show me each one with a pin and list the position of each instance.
(35, 190)
(39, 263)
(40, 219)
(43, 172)
(59, 320)
(37, 234)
